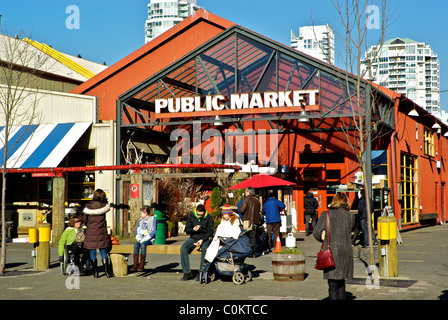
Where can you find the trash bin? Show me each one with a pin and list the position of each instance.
(160, 227)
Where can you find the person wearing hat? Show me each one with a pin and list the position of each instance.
(229, 227)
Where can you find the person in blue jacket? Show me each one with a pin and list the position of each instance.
(145, 234)
(271, 209)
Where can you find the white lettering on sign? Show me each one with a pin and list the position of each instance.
(297, 98)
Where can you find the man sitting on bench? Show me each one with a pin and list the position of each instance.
(200, 227)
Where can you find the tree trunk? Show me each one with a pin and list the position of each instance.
(3, 257)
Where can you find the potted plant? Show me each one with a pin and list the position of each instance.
(288, 265)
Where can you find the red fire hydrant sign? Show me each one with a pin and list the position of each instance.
(134, 191)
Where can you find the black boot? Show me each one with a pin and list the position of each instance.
(107, 268)
(94, 264)
(187, 276)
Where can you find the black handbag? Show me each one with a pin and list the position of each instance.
(325, 257)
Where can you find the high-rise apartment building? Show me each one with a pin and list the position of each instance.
(164, 14)
(408, 67)
(316, 41)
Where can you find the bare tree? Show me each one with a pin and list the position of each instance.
(21, 67)
(357, 20)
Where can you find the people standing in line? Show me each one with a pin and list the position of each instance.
(73, 237)
(200, 227)
(250, 210)
(362, 215)
(145, 234)
(96, 232)
(310, 206)
(341, 226)
(272, 208)
(229, 227)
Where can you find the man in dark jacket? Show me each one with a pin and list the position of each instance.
(271, 209)
(362, 215)
(200, 227)
(310, 205)
(250, 210)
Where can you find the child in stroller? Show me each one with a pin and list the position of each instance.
(228, 250)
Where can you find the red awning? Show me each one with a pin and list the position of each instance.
(262, 181)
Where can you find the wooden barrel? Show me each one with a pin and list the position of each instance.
(288, 267)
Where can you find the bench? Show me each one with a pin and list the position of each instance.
(119, 253)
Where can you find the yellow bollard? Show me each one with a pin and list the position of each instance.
(387, 246)
(43, 251)
(33, 235)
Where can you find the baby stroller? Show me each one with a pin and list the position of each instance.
(229, 261)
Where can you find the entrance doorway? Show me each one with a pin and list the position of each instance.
(319, 181)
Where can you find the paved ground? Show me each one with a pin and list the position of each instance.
(423, 275)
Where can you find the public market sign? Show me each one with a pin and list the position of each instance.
(245, 103)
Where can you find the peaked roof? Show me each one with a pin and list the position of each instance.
(241, 60)
(399, 41)
(200, 15)
(58, 63)
(131, 77)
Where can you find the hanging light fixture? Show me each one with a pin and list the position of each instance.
(436, 126)
(413, 113)
(303, 117)
(218, 121)
(446, 134)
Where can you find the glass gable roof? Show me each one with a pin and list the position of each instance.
(240, 61)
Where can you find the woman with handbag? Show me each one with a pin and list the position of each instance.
(336, 234)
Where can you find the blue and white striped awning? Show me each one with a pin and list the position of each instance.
(40, 146)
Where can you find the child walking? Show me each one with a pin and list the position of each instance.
(145, 235)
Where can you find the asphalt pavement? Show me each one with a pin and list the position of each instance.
(422, 275)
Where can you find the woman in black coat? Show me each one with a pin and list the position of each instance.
(96, 232)
(342, 223)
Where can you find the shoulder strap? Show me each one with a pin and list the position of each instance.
(328, 227)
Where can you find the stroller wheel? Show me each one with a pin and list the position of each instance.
(238, 278)
(248, 276)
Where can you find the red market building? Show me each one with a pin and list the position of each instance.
(211, 82)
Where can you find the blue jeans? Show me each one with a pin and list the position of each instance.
(103, 253)
(142, 245)
(186, 249)
(365, 231)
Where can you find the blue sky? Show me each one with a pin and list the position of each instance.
(111, 29)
